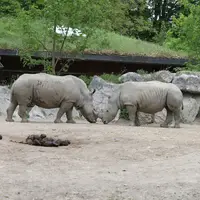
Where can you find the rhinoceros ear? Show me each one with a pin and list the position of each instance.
(92, 92)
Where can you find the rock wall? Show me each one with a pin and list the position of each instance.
(188, 82)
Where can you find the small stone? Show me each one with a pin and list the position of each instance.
(1, 137)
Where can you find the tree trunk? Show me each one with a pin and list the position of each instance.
(54, 46)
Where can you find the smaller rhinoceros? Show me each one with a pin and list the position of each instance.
(50, 91)
(148, 97)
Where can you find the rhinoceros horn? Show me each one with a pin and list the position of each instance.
(92, 92)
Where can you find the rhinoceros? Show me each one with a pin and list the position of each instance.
(51, 91)
(148, 97)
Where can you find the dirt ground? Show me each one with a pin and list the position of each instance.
(103, 162)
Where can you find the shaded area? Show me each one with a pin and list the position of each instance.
(86, 64)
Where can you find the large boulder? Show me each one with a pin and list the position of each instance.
(163, 76)
(4, 99)
(103, 91)
(160, 116)
(145, 118)
(157, 118)
(190, 110)
(197, 98)
(130, 76)
(188, 82)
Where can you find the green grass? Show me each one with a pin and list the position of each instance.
(103, 43)
(129, 46)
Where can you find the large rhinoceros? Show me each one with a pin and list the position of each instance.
(50, 91)
(148, 97)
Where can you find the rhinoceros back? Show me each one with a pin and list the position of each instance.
(151, 96)
(44, 90)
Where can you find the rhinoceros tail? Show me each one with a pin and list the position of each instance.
(12, 98)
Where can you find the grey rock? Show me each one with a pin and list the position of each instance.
(156, 118)
(188, 73)
(191, 109)
(188, 83)
(145, 118)
(130, 76)
(103, 91)
(147, 77)
(163, 76)
(197, 98)
(160, 116)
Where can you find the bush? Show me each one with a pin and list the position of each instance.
(113, 78)
(86, 79)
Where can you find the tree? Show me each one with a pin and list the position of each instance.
(9, 7)
(184, 34)
(162, 11)
(138, 23)
(38, 25)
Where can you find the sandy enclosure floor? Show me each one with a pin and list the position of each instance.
(103, 162)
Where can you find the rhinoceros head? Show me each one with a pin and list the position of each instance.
(88, 110)
(111, 109)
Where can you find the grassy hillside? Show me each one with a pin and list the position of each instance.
(112, 43)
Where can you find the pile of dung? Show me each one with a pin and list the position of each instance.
(43, 140)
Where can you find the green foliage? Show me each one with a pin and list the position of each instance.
(124, 114)
(184, 34)
(24, 38)
(37, 25)
(9, 8)
(12, 80)
(86, 79)
(113, 78)
(142, 71)
(189, 67)
(138, 24)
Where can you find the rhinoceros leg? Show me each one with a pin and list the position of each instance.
(29, 108)
(168, 119)
(132, 114)
(22, 113)
(177, 119)
(65, 107)
(152, 118)
(10, 110)
(137, 121)
(70, 116)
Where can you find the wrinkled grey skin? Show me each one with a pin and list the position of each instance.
(49, 91)
(148, 97)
